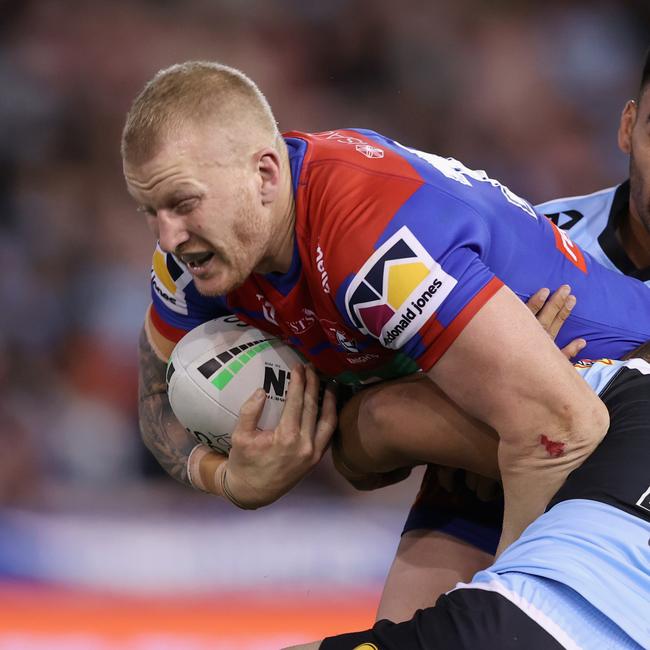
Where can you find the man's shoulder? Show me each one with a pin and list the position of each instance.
(567, 212)
(169, 281)
(351, 183)
(345, 153)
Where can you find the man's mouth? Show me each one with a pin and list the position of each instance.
(196, 261)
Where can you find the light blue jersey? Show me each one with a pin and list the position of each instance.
(591, 221)
(582, 569)
(596, 570)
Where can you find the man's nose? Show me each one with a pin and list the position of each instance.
(171, 231)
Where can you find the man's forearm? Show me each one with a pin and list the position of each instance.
(547, 417)
(162, 433)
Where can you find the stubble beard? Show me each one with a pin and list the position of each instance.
(639, 197)
(240, 262)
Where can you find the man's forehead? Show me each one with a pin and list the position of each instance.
(146, 176)
(180, 155)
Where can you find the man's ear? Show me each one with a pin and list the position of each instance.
(628, 118)
(268, 170)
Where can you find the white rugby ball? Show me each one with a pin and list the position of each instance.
(216, 367)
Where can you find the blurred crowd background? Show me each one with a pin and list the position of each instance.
(531, 92)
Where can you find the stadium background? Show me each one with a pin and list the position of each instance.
(97, 548)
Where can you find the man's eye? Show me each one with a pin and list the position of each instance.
(185, 206)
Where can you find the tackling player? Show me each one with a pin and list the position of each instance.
(375, 261)
(450, 535)
(614, 224)
(579, 576)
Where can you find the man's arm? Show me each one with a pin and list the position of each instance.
(162, 433)
(262, 465)
(370, 453)
(504, 370)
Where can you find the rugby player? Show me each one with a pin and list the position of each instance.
(614, 224)
(579, 576)
(450, 534)
(375, 261)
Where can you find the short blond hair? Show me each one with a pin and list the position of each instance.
(191, 93)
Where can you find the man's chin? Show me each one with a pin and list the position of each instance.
(213, 287)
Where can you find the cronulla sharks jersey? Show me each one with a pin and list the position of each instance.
(395, 251)
(582, 569)
(591, 221)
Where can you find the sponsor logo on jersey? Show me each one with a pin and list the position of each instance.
(369, 151)
(304, 323)
(169, 280)
(267, 309)
(320, 265)
(570, 250)
(397, 290)
(363, 147)
(644, 500)
(456, 171)
(587, 363)
(337, 336)
(583, 363)
(361, 358)
(347, 344)
(565, 219)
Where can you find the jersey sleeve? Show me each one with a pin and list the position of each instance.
(425, 280)
(177, 307)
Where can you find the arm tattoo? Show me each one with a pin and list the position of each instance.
(161, 432)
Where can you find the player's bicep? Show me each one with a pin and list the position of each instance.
(505, 370)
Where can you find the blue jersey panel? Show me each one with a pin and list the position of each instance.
(463, 208)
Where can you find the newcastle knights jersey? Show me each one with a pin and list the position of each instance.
(395, 251)
(592, 221)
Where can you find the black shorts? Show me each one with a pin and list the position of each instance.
(459, 513)
(616, 473)
(465, 619)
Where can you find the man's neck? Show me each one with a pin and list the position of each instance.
(280, 253)
(635, 240)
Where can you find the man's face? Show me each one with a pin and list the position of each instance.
(634, 139)
(204, 209)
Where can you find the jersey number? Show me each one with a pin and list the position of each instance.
(455, 170)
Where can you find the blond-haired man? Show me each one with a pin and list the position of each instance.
(375, 261)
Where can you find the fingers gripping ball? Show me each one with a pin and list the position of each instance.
(216, 367)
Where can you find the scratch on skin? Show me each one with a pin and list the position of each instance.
(554, 449)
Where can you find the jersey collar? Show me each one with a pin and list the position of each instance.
(609, 241)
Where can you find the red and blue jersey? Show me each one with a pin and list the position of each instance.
(395, 251)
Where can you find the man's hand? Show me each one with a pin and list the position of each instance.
(264, 465)
(551, 312)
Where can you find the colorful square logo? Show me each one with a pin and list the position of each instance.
(397, 290)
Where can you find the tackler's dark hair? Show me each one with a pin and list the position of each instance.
(645, 75)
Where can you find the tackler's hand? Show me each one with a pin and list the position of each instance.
(264, 465)
(552, 311)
